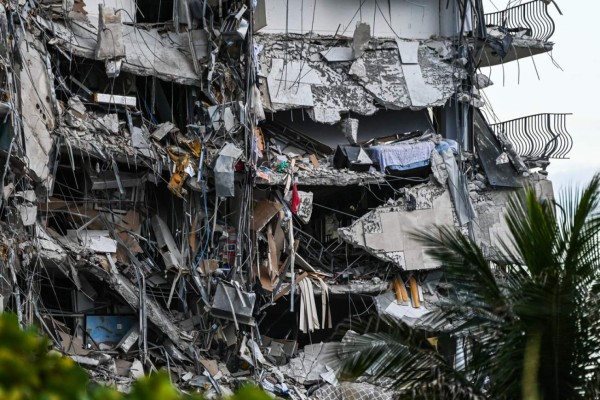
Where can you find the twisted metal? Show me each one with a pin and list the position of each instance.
(532, 16)
(539, 136)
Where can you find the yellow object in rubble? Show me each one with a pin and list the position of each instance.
(414, 292)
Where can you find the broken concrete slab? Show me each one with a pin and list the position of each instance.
(162, 130)
(154, 312)
(349, 127)
(36, 94)
(110, 44)
(47, 247)
(166, 244)
(290, 82)
(409, 51)
(28, 214)
(374, 79)
(95, 240)
(386, 231)
(168, 60)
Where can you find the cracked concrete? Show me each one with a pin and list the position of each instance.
(373, 80)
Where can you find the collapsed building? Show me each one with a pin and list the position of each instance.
(211, 186)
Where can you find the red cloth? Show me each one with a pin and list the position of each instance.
(295, 199)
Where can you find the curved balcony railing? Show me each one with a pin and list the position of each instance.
(532, 17)
(539, 136)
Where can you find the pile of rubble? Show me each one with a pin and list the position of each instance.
(182, 194)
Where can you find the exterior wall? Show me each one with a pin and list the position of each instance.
(415, 19)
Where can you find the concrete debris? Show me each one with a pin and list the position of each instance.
(482, 81)
(110, 34)
(163, 130)
(113, 99)
(166, 244)
(376, 78)
(338, 54)
(209, 199)
(385, 231)
(35, 94)
(224, 170)
(360, 39)
(349, 128)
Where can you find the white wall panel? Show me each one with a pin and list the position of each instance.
(411, 19)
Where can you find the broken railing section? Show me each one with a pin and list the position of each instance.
(537, 137)
(528, 20)
(518, 32)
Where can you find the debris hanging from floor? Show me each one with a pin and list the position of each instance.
(211, 187)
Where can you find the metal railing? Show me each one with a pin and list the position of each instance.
(539, 136)
(533, 17)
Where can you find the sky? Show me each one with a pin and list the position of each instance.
(574, 89)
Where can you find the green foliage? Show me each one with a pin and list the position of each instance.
(530, 321)
(156, 386)
(28, 371)
(250, 392)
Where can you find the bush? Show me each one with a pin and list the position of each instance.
(28, 371)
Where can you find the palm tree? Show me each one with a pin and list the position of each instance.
(529, 320)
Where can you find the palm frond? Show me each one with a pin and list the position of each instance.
(391, 349)
(530, 320)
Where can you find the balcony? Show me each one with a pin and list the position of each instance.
(537, 137)
(529, 20)
(517, 32)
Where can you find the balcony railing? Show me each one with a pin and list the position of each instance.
(539, 136)
(531, 17)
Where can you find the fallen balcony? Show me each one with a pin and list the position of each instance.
(518, 32)
(537, 137)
